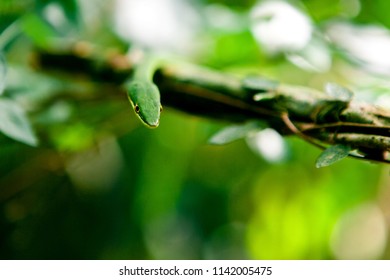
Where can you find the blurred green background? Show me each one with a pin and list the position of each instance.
(100, 185)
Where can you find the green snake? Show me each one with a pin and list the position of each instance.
(143, 94)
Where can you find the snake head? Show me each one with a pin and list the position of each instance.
(144, 96)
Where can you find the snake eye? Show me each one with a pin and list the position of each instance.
(136, 108)
(161, 108)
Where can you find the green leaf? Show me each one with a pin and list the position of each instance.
(70, 8)
(3, 73)
(333, 154)
(235, 132)
(38, 30)
(338, 92)
(11, 10)
(14, 123)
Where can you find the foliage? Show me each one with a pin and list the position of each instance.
(99, 185)
(333, 154)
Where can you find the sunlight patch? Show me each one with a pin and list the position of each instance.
(279, 27)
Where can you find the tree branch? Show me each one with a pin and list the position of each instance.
(319, 118)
